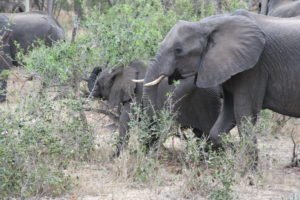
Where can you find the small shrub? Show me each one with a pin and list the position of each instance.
(214, 173)
(63, 63)
(38, 140)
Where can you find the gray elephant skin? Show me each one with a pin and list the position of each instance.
(255, 58)
(11, 6)
(117, 87)
(281, 8)
(21, 31)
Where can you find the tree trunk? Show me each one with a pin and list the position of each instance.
(264, 7)
(111, 2)
(27, 5)
(50, 6)
(219, 7)
(78, 8)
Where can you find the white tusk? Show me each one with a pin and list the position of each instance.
(155, 82)
(137, 80)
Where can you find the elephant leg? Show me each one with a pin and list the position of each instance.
(123, 128)
(225, 122)
(246, 110)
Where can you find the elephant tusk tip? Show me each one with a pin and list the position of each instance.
(137, 80)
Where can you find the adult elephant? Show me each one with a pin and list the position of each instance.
(11, 6)
(281, 8)
(255, 58)
(20, 31)
(117, 87)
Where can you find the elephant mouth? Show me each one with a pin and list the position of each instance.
(175, 76)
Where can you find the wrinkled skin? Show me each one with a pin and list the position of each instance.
(186, 95)
(11, 6)
(255, 59)
(281, 8)
(24, 29)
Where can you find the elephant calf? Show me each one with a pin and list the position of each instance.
(117, 87)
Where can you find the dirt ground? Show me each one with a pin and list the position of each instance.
(94, 181)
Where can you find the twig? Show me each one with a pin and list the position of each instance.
(111, 115)
(75, 27)
(295, 161)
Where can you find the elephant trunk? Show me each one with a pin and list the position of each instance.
(264, 7)
(93, 77)
(150, 92)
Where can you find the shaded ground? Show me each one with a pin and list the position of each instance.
(95, 181)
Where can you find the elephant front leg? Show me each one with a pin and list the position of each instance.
(225, 122)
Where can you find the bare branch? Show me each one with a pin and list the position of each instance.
(110, 114)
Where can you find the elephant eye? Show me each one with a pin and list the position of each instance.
(178, 51)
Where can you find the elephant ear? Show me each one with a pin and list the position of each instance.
(235, 44)
(123, 88)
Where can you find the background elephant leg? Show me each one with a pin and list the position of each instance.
(123, 128)
(3, 85)
(225, 122)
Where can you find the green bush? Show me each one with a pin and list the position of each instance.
(128, 31)
(63, 62)
(38, 140)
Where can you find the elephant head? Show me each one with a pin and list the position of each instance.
(280, 8)
(116, 85)
(9, 6)
(212, 50)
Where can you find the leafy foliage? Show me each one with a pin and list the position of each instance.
(59, 64)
